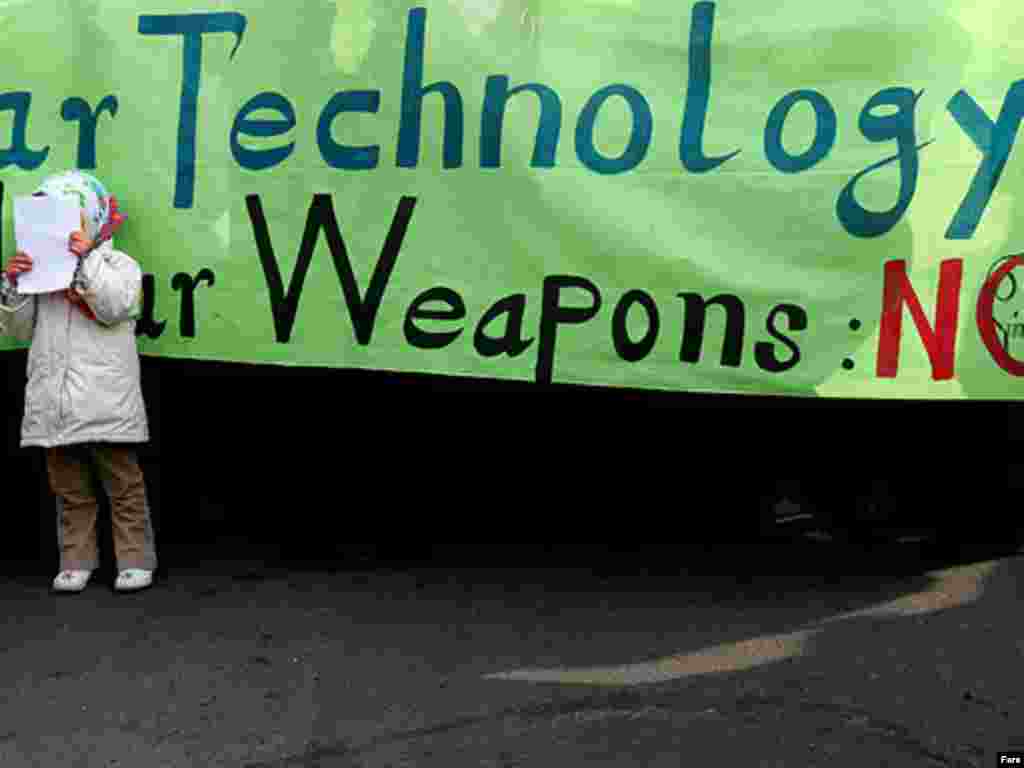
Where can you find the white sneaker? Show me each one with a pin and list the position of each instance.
(131, 579)
(71, 581)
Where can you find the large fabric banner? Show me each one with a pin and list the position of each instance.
(792, 198)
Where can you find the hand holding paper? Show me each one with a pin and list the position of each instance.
(18, 263)
(42, 228)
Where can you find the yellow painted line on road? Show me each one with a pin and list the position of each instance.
(730, 657)
(951, 588)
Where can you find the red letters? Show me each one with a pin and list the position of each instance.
(986, 322)
(940, 343)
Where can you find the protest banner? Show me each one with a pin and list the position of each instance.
(783, 199)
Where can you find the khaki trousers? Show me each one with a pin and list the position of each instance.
(77, 506)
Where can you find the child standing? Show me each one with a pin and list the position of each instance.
(83, 400)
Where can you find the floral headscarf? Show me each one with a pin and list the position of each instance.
(102, 218)
(100, 208)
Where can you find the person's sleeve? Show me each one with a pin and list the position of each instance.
(111, 284)
(17, 312)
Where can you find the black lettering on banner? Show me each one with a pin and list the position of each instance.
(147, 324)
(693, 332)
(185, 283)
(434, 340)
(629, 350)
(764, 351)
(511, 343)
(553, 314)
(362, 311)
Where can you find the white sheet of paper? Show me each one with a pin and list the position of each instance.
(42, 229)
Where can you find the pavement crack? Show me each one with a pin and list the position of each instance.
(531, 711)
(635, 704)
(311, 756)
(894, 733)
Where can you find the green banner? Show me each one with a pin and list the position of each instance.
(790, 198)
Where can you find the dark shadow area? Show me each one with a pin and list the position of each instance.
(298, 465)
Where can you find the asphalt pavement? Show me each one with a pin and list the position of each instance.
(794, 653)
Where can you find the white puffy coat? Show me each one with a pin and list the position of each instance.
(83, 375)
